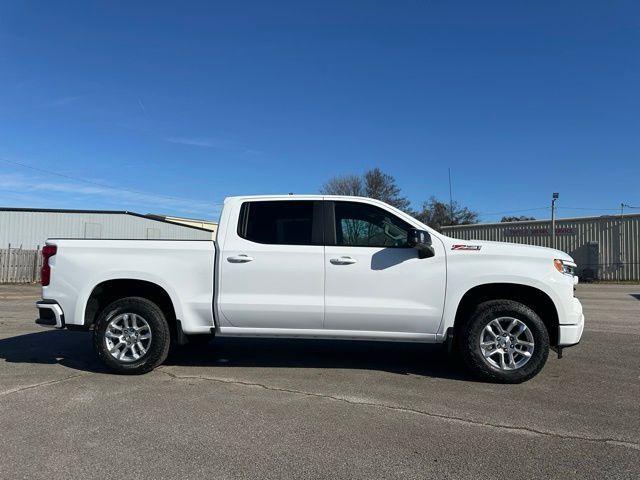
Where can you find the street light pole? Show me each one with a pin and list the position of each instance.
(553, 219)
(621, 240)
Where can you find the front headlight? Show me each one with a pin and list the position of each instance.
(563, 266)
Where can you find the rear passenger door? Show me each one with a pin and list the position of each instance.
(272, 266)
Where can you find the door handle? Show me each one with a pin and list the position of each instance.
(242, 258)
(343, 261)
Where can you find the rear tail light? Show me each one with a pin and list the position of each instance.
(48, 251)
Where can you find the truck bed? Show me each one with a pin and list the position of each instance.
(183, 268)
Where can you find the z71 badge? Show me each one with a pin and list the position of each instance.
(466, 247)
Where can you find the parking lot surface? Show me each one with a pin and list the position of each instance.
(318, 409)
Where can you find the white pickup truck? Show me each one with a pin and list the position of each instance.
(314, 266)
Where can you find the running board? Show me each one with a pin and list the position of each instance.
(329, 334)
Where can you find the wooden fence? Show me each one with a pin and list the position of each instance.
(20, 266)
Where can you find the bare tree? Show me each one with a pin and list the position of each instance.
(350, 185)
(377, 184)
(382, 186)
(521, 218)
(373, 184)
(438, 214)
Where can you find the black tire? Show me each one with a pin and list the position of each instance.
(158, 347)
(468, 341)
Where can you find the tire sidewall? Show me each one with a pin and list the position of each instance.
(485, 313)
(160, 337)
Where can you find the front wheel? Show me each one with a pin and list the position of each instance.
(132, 336)
(504, 341)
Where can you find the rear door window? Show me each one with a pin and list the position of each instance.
(281, 222)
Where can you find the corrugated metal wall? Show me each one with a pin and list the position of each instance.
(29, 229)
(606, 248)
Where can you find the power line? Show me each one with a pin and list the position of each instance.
(103, 185)
(514, 211)
(562, 208)
(586, 208)
(140, 192)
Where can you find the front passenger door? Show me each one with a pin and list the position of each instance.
(374, 280)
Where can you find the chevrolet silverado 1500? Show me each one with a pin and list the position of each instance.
(315, 267)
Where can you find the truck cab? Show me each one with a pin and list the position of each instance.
(326, 266)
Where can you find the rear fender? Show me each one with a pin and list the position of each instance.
(83, 297)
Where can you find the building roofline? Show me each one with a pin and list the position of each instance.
(524, 222)
(157, 215)
(108, 212)
(59, 210)
(168, 221)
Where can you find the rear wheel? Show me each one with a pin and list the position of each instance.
(504, 341)
(132, 336)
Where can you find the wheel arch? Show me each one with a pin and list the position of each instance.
(110, 290)
(532, 297)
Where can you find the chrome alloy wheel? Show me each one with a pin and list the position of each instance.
(127, 337)
(506, 343)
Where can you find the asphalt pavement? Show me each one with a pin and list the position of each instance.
(267, 409)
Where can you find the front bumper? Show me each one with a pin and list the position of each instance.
(50, 314)
(571, 333)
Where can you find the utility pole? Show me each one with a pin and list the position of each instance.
(450, 198)
(553, 219)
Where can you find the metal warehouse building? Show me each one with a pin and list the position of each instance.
(28, 228)
(605, 248)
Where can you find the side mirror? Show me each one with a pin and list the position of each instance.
(421, 241)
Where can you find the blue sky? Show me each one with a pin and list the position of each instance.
(179, 104)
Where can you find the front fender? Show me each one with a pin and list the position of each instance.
(463, 277)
